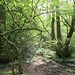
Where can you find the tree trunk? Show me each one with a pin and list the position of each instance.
(53, 20)
(53, 33)
(58, 22)
(71, 28)
(2, 22)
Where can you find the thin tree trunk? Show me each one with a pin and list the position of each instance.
(53, 33)
(13, 64)
(2, 22)
(20, 60)
(58, 22)
(53, 20)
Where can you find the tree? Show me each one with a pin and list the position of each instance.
(71, 28)
(2, 25)
(23, 21)
(58, 21)
(53, 20)
(64, 49)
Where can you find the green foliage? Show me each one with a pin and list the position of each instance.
(46, 54)
(3, 65)
(24, 13)
(72, 43)
(16, 73)
(70, 70)
(70, 59)
(62, 50)
(47, 58)
(29, 60)
(46, 44)
(5, 57)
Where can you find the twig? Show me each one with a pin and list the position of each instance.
(36, 4)
(44, 26)
(10, 43)
(66, 21)
(11, 14)
(27, 29)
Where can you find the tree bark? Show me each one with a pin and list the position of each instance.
(2, 22)
(58, 22)
(53, 33)
(72, 27)
(53, 20)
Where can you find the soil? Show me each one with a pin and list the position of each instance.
(41, 67)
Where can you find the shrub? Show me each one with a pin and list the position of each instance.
(70, 59)
(62, 50)
(5, 57)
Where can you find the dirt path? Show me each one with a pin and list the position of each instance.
(40, 67)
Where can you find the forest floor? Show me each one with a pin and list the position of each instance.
(40, 67)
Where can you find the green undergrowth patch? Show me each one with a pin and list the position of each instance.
(28, 60)
(46, 54)
(6, 65)
(70, 59)
(47, 59)
(3, 65)
(10, 73)
(70, 70)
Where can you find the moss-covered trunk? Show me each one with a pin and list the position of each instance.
(72, 27)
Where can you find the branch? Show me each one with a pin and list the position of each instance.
(11, 14)
(66, 21)
(36, 4)
(41, 14)
(66, 27)
(10, 42)
(46, 13)
(44, 26)
(34, 37)
(27, 29)
(32, 6)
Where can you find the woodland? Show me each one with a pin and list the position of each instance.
(37, 37)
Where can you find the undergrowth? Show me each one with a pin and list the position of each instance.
(70, 59)
(29, 60)
(70, 70)
(10, 73)
(46, 54)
